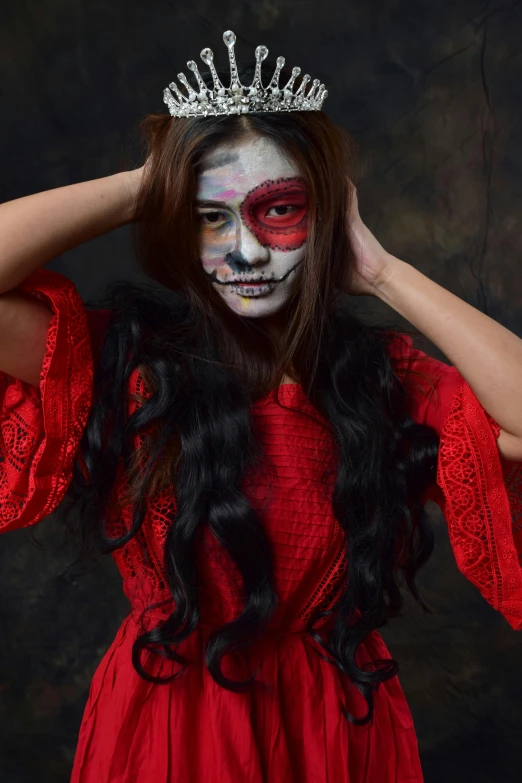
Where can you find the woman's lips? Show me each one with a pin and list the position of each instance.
(253, 282)
(253, 289)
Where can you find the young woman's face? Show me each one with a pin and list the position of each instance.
(252, 211)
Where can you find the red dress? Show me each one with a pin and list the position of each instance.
(192, 729)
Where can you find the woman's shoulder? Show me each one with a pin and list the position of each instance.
(399, 343)
(97, 323)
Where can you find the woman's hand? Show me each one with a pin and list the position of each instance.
(372, 261)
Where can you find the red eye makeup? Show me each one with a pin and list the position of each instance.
(276, 212)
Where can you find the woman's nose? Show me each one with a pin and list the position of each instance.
(249, 247)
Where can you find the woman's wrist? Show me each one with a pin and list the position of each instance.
(131, 182)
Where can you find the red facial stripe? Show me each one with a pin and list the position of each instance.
(287, 231)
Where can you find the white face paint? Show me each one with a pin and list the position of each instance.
(252, 213)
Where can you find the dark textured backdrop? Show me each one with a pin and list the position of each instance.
(431, 91)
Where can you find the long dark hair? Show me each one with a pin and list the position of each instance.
(204, 365)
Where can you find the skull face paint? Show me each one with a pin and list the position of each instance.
(281, 231)
(252, 212)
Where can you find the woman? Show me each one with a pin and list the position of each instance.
(255, 458)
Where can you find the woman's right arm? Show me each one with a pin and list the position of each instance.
(46, 352)
(35, 229)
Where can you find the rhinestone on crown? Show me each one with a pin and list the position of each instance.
(239, 98)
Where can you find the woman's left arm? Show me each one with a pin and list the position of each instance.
(486, 354)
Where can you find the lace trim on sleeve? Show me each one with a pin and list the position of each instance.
(41, 428)
(482, 504)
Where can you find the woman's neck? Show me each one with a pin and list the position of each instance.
(275, 326)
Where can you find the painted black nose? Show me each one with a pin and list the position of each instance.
(237, 261)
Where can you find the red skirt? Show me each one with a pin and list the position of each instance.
(192, 729)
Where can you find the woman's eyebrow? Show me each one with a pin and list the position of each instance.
(201, 202)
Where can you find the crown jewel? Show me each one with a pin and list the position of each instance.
(239, 98)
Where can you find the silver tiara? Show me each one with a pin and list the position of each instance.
(238, 98)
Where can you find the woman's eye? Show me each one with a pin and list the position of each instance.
(280, 210)
(212, 218)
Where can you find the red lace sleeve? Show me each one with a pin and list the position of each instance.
(41, 427)
(479, 492)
